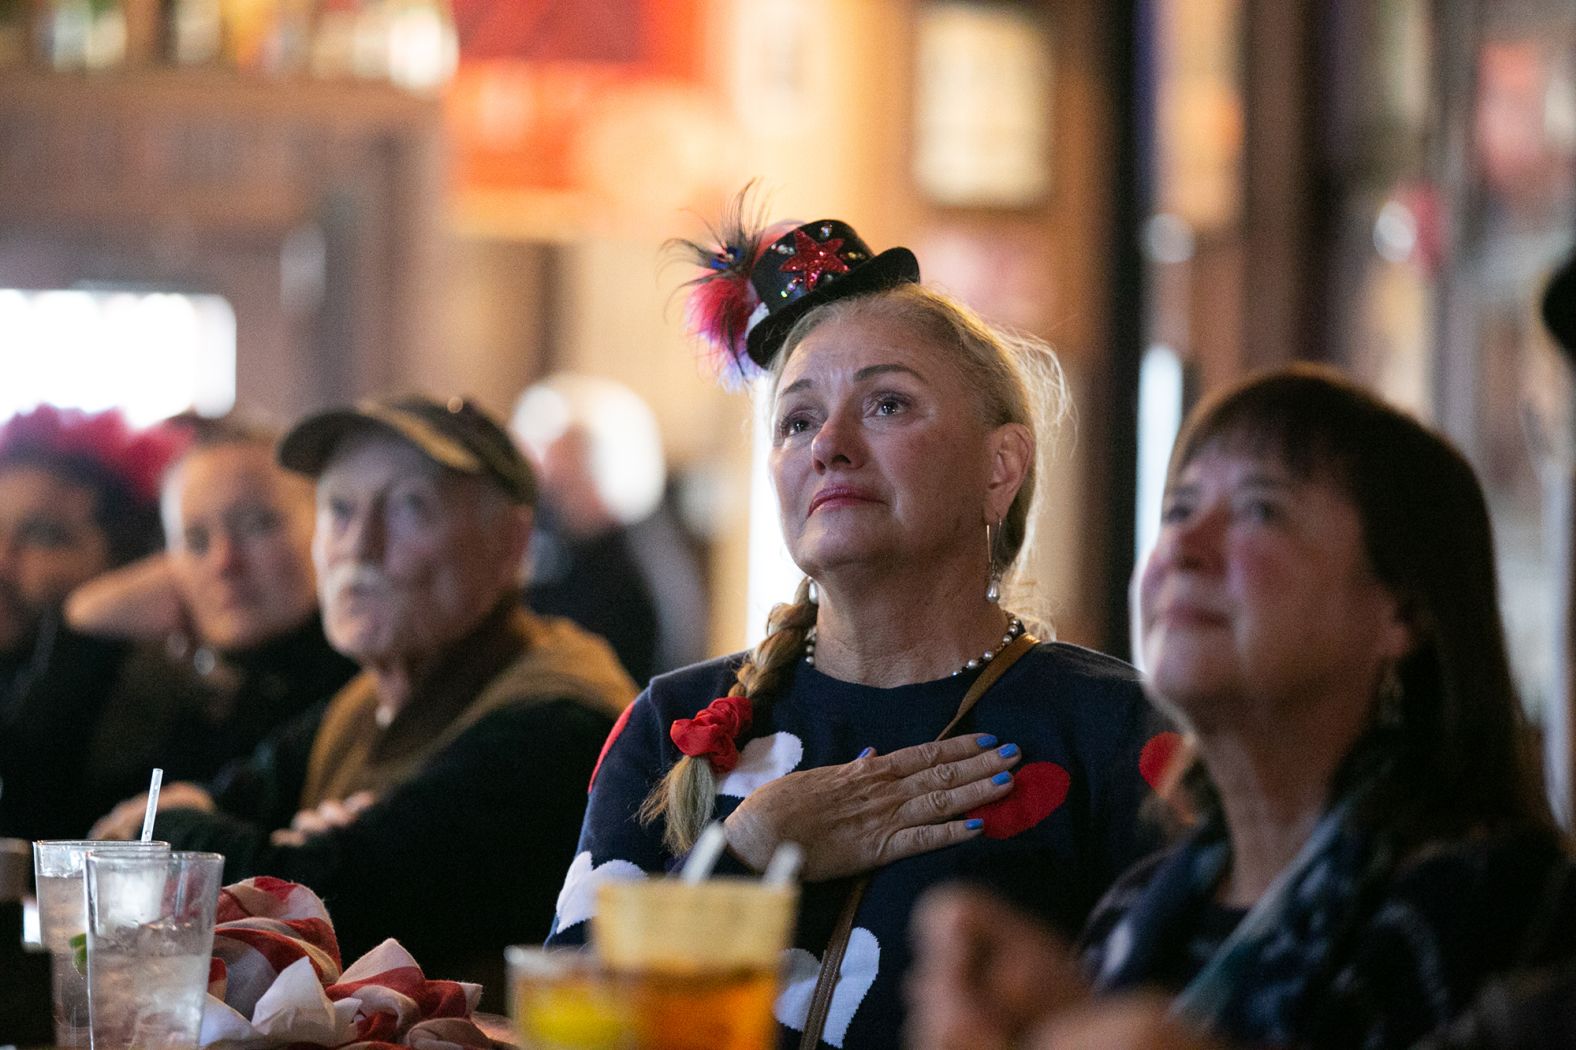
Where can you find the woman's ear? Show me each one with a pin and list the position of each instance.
(1011, 456)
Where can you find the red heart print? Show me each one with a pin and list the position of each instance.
(1154, 761)
(1038, 790)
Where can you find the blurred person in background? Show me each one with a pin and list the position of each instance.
(869, 726)
(78, 495)
(233, 592)
(1536, 1009)
(437, 802)
(1321, 610)
(606, 553)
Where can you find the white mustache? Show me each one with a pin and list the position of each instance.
(355, 576)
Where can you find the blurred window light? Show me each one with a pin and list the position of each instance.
(1160, 393)
(150, 354)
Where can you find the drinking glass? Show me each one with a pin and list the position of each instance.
(565, 999)
(62, 920)
(150, 938)
(698, 964)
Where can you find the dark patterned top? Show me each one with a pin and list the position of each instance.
(1070, 827)
(1370, 957)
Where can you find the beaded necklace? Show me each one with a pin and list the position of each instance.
(1014, 628)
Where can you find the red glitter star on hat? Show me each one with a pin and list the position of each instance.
(814, 259)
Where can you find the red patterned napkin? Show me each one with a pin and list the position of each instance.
(276, 981)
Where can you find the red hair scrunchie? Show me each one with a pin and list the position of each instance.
(711, 733)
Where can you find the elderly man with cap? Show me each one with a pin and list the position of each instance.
(438, 799)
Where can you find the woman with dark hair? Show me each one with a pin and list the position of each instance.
(1371, 842)
(897, 721)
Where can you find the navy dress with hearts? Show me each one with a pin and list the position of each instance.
(1072, 824)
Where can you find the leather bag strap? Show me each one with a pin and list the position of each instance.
(837, 946)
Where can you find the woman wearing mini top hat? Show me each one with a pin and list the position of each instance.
(906, 435)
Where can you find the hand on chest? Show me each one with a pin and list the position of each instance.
(1040, 786)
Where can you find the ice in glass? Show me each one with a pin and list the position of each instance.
(149, 941)
(62, 917)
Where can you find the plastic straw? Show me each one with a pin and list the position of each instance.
(783, 868)
(704, 857)
(153, 805)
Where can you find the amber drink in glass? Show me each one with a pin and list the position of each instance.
(699, 962)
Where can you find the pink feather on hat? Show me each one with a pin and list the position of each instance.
(721, 304)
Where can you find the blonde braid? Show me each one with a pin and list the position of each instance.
(685, 797)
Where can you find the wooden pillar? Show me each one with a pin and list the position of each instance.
(1283, 242)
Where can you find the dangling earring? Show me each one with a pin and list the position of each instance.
(993, 582)
(1391, 710)
(812, 594)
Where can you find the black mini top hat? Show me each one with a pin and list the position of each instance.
(815, 264)
(760, 280)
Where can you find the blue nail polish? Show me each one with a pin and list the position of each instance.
(867, 752)
(974, 825)
(1003, 777)
(985, 740)
(1007, 750)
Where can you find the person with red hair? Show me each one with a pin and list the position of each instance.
(78, 495)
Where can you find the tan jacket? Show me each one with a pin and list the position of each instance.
(511, 658)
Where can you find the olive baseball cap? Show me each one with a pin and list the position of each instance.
(457, 435)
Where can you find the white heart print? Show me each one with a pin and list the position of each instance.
(577, 900)
(861, 962)
(763, 760)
